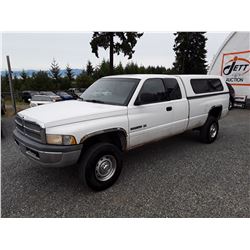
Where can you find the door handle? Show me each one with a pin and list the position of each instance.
(169, 108)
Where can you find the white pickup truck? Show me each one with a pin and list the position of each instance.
(116, 114)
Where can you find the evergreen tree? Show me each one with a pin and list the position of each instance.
(55, 72)
(142, 70)
(69, 73)
(161, 70)
(150, 70)
(190, 53)
(117, 42)
(65, 83)
(15, 82)
(119, 69)
(23, 75)
(131, 68)
(89, 69)
(41, 81)
(5, 82)
(101, 70)
(83, 81)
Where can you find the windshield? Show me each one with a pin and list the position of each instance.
(47, 93)
(62, 93)
(116, 91)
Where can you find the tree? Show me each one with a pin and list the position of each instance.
(23, 75)
(160, 70)
(101, 70)
(41, 81)
(65, 83)
(5, 82)
(89, 69)
(117, 42)
(15, 82)
(119, 70)
(84, 81)
(142, 70)
(55, 72)
(190, 53)
(69, 73)
(131, 68)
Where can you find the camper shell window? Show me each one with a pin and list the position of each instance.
(206, 85)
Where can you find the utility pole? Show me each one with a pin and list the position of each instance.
(10, 84)
(111, 52)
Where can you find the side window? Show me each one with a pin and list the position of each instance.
(215, 85)
(152, 91)
(206, 85)
(172, 89)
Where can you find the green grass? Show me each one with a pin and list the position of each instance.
(19, 106)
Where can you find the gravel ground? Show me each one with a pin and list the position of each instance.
(177, 177)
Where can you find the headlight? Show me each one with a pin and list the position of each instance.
(61, 139)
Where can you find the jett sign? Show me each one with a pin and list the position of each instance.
(235, 67)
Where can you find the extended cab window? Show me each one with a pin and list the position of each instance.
(152, 91)
(172, 89)
(206, 85)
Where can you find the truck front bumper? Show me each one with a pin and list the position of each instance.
(48, 155)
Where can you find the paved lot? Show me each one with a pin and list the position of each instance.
(177, 177)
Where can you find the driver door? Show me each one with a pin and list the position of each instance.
(151, 115)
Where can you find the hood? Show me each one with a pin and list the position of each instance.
(66, 112)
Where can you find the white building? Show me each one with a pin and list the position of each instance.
(232, 61)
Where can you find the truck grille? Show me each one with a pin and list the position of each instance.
(30, 129)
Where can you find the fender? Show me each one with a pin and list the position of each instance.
(106, 131)
(220, 107)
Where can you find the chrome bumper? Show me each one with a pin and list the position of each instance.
(48, 155)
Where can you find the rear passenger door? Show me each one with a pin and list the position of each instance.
(151, 115)
(176, 99)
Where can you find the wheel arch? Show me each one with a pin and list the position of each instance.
(215, 111)
(116, 136)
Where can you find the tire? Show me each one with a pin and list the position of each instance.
(100, 166)
(209, 131)
(230, 106)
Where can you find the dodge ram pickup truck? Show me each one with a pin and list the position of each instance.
(116, 114)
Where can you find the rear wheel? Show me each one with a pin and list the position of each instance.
(209, 131)
(100, 166)
(230, 106)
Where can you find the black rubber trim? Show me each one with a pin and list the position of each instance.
(207, 95)
(44, 147)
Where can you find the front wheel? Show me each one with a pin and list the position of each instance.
(209, 131)
(100, 166)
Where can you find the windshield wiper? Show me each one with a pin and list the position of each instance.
(92, 100)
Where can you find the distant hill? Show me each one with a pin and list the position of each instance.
(29, 72)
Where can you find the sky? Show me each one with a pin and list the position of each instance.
(37, 50)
